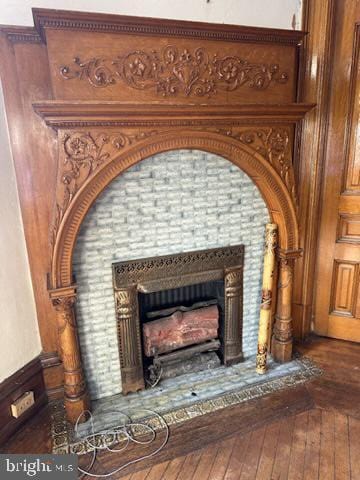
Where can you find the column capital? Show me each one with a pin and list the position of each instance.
(62, 292)
(233, 276)
(289, 254)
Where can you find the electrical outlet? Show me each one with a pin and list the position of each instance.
(22, 404)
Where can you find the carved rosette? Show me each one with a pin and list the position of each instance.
(176, 71)
(129, 339)
(282, 334)
(232, 341)
(76, 399)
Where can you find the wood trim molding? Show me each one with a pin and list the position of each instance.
(122, 24)
(17, 34)
(61, 114)
(53, 373)
(50, 359)
(319, 18)
(29, 377)
(350, 176)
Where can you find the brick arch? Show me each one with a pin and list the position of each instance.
(276, 196)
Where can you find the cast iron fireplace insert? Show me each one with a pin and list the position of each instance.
(183, 278)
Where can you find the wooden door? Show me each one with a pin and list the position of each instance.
(337, 300)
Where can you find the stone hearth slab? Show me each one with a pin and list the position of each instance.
(179, 399)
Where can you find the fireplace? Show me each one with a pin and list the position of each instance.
(126, 89)
(210, 279)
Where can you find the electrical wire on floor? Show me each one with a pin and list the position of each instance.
(126, 429)
(155, 376)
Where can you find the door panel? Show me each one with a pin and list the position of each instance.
(337, 303)
(352, 176)
(349, 228)
(344, 288)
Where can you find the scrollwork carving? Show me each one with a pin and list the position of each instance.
(166, 140)
(176, 71)
(274, 145)
(83, 153)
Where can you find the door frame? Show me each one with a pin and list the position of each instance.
(315, 72)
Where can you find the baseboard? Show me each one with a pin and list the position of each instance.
(28, 378)
(53, 375)
(301, 315)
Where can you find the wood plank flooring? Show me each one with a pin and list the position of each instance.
(317, 444)
(311, 432)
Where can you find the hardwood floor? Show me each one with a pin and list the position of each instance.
(308, 432)
(316, 444)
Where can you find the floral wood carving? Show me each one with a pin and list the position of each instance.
(197, 72)
(272, 144)
(83, 153)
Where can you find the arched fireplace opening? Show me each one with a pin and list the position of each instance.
(77, 197)
(173, 202)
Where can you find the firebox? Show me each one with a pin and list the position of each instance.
(176, 307)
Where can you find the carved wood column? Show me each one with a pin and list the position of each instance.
(129, 339)
(266, 297)
(283, 331)
(232, 350)
(76, 395)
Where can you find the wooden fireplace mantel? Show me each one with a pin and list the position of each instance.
(65, 114)
(89, 95)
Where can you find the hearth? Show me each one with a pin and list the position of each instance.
(178, 308)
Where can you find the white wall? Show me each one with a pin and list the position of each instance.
(19, 339)
(262, 13)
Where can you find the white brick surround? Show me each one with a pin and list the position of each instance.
(173, 202)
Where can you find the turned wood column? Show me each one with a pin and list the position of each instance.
(129, 339)
(76, 396)
(282, 335)
(266, 297)
(232, 349)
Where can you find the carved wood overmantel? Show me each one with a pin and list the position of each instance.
(122, 89)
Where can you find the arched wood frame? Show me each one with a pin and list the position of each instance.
(272, 187)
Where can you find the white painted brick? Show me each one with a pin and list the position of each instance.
(173, 202)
